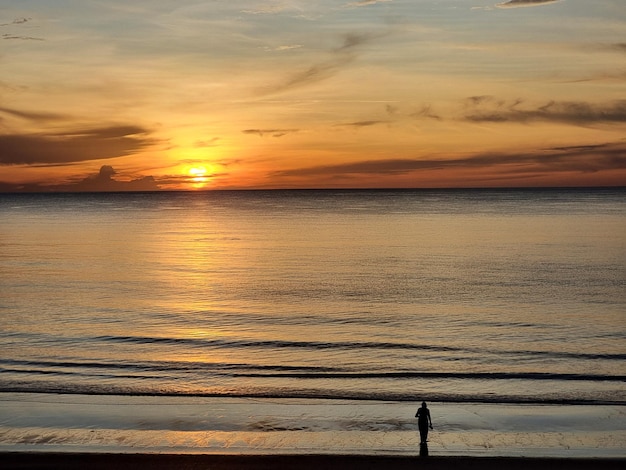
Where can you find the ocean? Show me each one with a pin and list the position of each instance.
(490, 296)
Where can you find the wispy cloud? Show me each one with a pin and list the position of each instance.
(272, 132)
(305, 10)
(70, 147)
(583, 158)
(17, 21)
(33, 115)
(490, 109)
(525, 3)
(364, 3)
(362, 123)
(207, 143)
(427, 112)
(286, 47)
(620, 46)
(21, 38)
(339, 58)
(267, 8)
(424, 111)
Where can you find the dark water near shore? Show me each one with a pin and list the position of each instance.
(477, 295)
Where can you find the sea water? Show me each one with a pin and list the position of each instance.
(510, 296)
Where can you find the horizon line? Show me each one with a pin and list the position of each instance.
(401, 189)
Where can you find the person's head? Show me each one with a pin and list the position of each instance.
(423, 404)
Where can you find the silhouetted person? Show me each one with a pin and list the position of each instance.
(423, 422)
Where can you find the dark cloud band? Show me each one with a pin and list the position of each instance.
(272, 132)
(490, 109)
(584, 158)
(73, 146)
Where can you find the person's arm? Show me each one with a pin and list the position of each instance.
(430, 420)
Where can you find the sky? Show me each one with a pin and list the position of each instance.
(99, 95)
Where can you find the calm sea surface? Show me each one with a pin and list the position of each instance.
(510, 296)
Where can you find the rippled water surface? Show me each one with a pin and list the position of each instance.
(486, 295)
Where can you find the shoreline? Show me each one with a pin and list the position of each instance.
(453, 400)
(122, 425)
(69, 461)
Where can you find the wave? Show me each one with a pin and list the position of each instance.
(451, 375)
(164, 366)
(112, 390)
(347, 345)
(281, 371)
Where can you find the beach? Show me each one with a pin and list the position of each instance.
(204, 330)
(41, 424)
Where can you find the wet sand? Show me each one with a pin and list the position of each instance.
(72, 431)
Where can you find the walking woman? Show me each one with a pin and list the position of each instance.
(423, 422)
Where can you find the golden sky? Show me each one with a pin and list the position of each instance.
(192, 94)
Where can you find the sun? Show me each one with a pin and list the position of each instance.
(198, 176)
(197, 172)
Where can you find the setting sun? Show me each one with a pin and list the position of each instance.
(198, 176)
(197, 172)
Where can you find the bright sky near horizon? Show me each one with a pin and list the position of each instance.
(192, 94)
